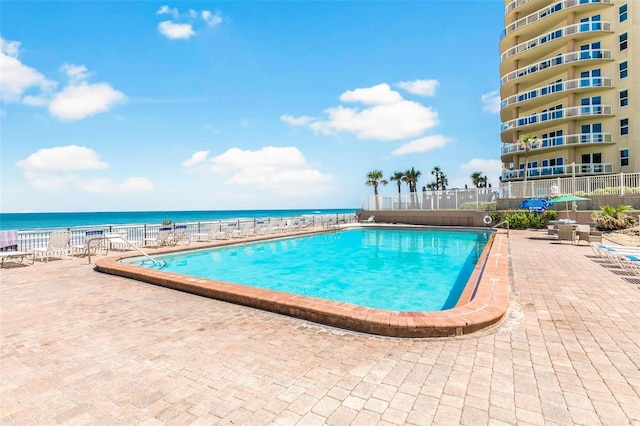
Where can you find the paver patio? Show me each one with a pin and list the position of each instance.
(82, 347)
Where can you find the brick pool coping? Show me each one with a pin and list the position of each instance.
(483, 303)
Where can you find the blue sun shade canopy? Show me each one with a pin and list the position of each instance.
(538, 205)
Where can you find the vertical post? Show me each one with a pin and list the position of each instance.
(621, 183)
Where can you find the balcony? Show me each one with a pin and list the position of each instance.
(542, 93)
(523, 6)
(548, 11)
(560, 141)
(551, 118)
(558, 34)
(547, 172)
(557, 63)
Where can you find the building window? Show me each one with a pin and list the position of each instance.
(622, 13)
(591, 133)
(591, 163)
(624, 71)
(623, 41)
(624, 126)
(624, 98)
(624, 157)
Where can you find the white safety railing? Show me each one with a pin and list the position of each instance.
(450, 199)
(611, 184)
(136, 234)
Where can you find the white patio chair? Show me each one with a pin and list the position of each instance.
(93, 240)
(180, 234)
(162, 239)
(58, 246)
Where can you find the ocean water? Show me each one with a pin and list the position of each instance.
(25, 221)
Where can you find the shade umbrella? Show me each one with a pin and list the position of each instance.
(566, 199)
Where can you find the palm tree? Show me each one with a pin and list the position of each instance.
(441, 179)
(411, 177)
(477, 179)
(374, 178)
(526, 142)
(399, 178)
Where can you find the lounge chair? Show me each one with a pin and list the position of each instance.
(244, 231)
(259, 228)
(164, 233)
(58, 246)
(277, 227)
(371, 219)
(14, 255)
(231, 230)
(180, 234)
(93, 240)
(9, 248)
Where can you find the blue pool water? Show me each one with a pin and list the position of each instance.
(392, 269)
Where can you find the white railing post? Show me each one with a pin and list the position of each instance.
(621, 183)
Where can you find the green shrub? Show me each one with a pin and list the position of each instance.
(472, 205)
(612, 218)
(524, 220)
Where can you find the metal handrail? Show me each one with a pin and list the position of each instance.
(500, 223)
(125, 241)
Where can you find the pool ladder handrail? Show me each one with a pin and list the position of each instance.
(138, 249)
(500, 223)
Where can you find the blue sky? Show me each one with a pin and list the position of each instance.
(110, 106)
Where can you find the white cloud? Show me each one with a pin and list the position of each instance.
(63, 158)
(166, 10)
(400, 120)
(386, 116)
(15, 77)
(380, 94)
(197, 158)
(75, 73)
(419, 87)
(491, 102)
(424, 144)
(176, 31)
(212, 19)
(279, 170)
(296, 121)
(79, 101)
(61, 167)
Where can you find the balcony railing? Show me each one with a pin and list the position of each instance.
(562, 86)
(558, 114)
(567, 58)
(574, 139)
(514, 5)
(549, 10)
(583, 27)
(555, 171)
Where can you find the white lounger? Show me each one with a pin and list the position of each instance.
(14, 255)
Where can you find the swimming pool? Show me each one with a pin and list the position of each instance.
(399, 269)
(484, 300)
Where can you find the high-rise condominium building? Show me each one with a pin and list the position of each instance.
(570, 85)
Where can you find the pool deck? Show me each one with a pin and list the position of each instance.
(81, 347)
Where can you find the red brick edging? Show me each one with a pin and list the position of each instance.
(487, 298)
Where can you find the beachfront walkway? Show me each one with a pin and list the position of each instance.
(83, 347)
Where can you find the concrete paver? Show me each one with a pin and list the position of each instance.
(83, 347)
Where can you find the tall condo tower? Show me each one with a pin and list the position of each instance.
(570, 88)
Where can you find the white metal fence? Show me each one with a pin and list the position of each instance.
(620, 184)
(450, 199)
(29, 239)
(482, 198)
